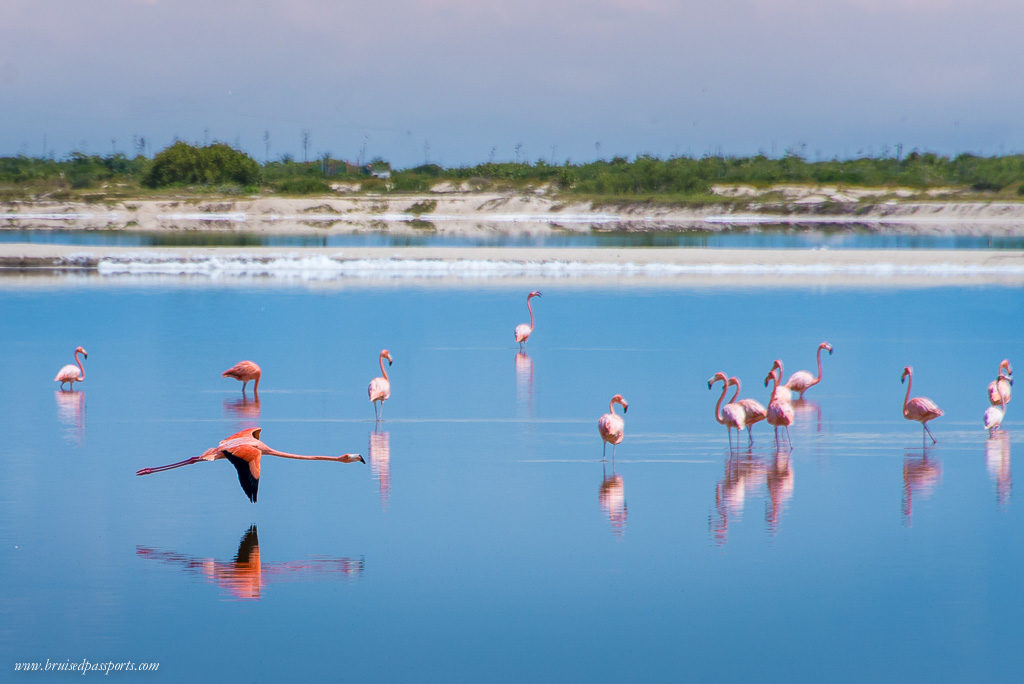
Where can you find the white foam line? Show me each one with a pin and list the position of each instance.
(56, 217)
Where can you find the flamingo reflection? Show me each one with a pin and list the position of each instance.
(612, 496)
(805, 412)
(380, 463)
(744, 473)
(524, 381)
(920, 477)
(997, 458)
(71, 413)
(779, 479)
(246, 410)
(246, 575)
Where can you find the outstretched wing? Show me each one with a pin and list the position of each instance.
(246, 460)
(250, 432)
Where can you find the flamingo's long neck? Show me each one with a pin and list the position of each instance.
(529, 306)
(611, 404)
(910, 381)
(1002, 396)
(81, 375)
(285, 454)
(737, 392)
(818, 379)
(775, 386)
(718, 406)
(383, 370)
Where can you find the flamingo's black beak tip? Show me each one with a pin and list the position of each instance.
(625, 409)
(709, 384)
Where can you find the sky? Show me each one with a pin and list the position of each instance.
(459, 82)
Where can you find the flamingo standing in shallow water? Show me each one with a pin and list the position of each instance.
(780, 408)
(784, 393)
(71, 373)
(611, 425)
(999, 388)
(523, 331)
(994, 414)
(733, 415)
(244, 450)
(380, 387)
(753, 411)
(921, 409)
(245, 371)
(802, 380)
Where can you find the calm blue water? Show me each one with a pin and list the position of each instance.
(773, 237)
(485, 540)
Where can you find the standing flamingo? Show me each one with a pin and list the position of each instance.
(245, 371)
(1000, 387)
(523, 331)
(244, 449)
(784, 392)
(611, 425)
(733, 415)
(380, 387)
(753, 411)
(994, 414)
(802, 380)
(780, 408)
(70, 373)
(921, 409)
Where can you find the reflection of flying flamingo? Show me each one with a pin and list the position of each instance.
(245, 371)
(380, 463)
(780, 409)
(802, 380)
(784, 393)
(921, 409)
(612, 497)
(1000, 387)
(246, 576)
(380, 387)
(733, 415)
(70, 373)
(780, 485)
(753, 411)
(244, 449)
(994, 414)
(523, 331)
(71, 413)
(997, 459)
(611, 425)
(920, 476)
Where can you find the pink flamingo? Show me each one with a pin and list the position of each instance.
(784, 393)
(994, 414)
(733, 415)
(70, 373)
(921, 409)
(245, 371)
(753, 411)
(380, 387)
(523, 331)
(780, 408)
(1000, 387)
(802, 380)
(244, 450)
(611, 425)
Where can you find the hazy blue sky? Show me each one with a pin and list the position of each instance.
(455, 81)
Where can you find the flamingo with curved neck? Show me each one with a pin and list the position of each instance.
(784, 392)
(921, 409)
(612, 426)
(994, 414)
(733, 415)
(753, 411)
(523, 331)
(380, 388)
(780, 408)
(802, 380)
(999, 388)
(70, 373)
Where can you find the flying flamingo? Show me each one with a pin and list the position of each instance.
(380, 388)
(245, 371)
(70, 373)
(753, 411)
(523, 331)
(780, 408)
(784, 393)
(921, 409)
(994, 414)
(1000, 387)
(244, 450)
(733, 415)
(611, 425)
(802, 380)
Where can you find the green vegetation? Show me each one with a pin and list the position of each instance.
(220, 169)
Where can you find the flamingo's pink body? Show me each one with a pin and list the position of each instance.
(732, 415)
(379, 389)
(524, 330)
(72, 373)
(784, 392)
(753, 411)
(994, 414)
(1000, 389)
(780, 408)
(802, 380)
(244, 450)
(611, 425)
(245, 371)
(921, 409)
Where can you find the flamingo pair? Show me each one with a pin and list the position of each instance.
(999, 395)
(802, 380)
(780, 406)
(736, 414)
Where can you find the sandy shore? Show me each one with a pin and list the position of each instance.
(26, 263)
